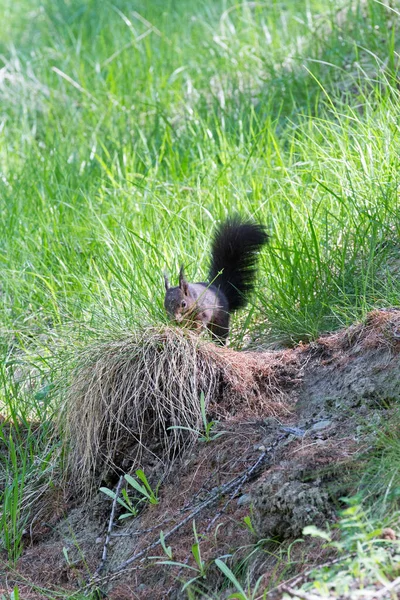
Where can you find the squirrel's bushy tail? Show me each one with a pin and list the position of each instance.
(233, 259)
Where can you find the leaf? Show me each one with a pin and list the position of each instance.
(151, 495)
(249, 524)
(210, 425)
(65, 552)
(228, 573)
(44, 392)
(182, 427)
(167, 549)
(141, 475)
(196, 554)
(315, 532)
(108, 492)
(126, 505)
(125, 496)
(139, 488)
(376, 533)
(203, 406)
(217, 435)
(188, 583)
(173, 563)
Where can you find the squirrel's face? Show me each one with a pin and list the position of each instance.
(178, 302)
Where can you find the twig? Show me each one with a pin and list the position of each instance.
(247, 476)
(296, 579)
(242, 480)
(367, 594)
(142, 531)
(304, 595)
(110, 527)
(220, 491)
(235, 484)
(389, 587)
(122, 567)
(157, 542)
(182, 510)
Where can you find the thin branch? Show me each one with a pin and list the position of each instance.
(214, 497)
(184, 521)
(304, 595)
(110, 526)
(389, 587)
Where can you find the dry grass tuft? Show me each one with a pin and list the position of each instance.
(380, 329)
(126, 395)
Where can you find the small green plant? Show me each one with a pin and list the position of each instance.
(167, 549)
(147, 494)
(205, 435)
(200, 568)
(240, 594)
(355, 526)
(11, 520)
(66, 555)
(364, 556)
(247, 521)
(146, 491)
(132, 508)
(125, 501)
(13, 596)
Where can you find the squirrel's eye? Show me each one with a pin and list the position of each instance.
(183, 303)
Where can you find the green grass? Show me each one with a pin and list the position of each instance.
(287, 114)
(366, 560)
(381, 469)
(127, 130)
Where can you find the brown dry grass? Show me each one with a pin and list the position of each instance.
(129, 399)
(128, 393)
(380, 329)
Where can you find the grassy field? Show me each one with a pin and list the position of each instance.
(128, 129)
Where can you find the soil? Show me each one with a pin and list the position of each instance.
(285, 457)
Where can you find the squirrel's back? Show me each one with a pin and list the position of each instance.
(233, 259)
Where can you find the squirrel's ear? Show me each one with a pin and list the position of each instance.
(166, 281)
(183, 284)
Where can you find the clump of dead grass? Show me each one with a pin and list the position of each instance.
(380, 329)
(126, 397)
(136, 400)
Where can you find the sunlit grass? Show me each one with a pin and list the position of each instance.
(128, 130)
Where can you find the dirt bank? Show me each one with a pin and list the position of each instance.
(294, 423)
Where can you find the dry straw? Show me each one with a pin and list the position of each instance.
(126, 395)
(131, 397)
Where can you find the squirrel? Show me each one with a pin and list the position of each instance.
(230, 280)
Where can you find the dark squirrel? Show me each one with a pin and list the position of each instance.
(230, 280)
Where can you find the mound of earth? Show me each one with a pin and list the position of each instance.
(286, 455)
